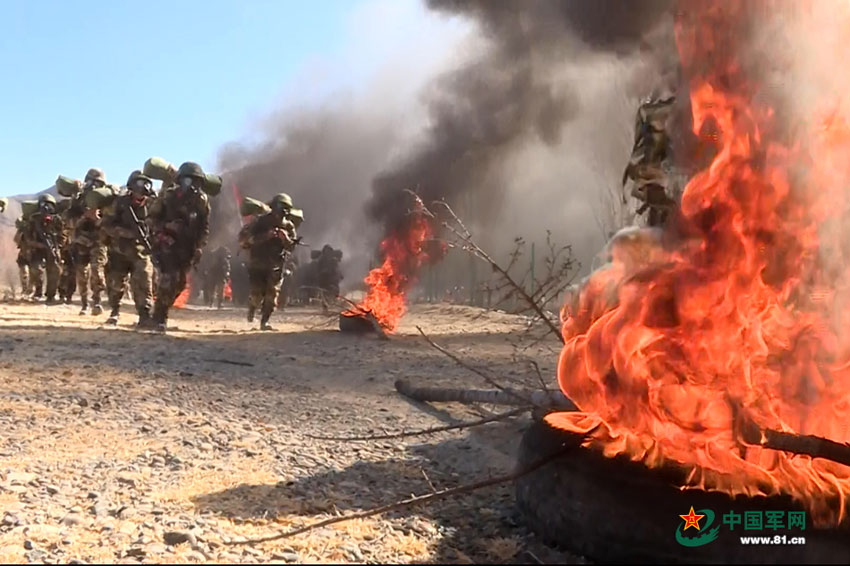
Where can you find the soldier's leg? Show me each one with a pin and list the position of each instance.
(117, 272)
(165, 295)
(53, 272)
(82, 258)
(270, 297)
(219, 292)
(24, 274)
(98, 265)
(140, 282)
(37, 274)
(257, 277)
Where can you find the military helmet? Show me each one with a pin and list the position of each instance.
(190, 169)
(281, 202)
(95, 174)
(296, 215)
(48, 198)
(138, 182)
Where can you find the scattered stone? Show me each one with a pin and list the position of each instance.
(20, 478)
(28, 544)
(72, 520)
(11, 520)
(286, 556)
(173, 538)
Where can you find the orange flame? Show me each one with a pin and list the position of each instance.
(183, 297)
(736, 317)
(404, 254)
(228, 292)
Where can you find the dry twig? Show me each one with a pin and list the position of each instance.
(433, 430)
(410, 502)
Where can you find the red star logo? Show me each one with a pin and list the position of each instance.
(691, 519)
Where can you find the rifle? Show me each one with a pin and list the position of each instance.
(143, 230)
(46, 239)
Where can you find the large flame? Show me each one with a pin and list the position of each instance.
(737, 316)
(404, 252)
(183, 297)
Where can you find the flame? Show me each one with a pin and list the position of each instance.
(404, 252)
(183, 297)
(228, 292)
(735, 315)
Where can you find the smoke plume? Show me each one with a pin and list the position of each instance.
(528, 127)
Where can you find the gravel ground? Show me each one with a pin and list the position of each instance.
(128, 447)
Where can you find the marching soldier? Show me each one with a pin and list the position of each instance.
(215, 276)
(180, 226)
(270, 238)
(44, 235)
(89, 254)
(129, 249)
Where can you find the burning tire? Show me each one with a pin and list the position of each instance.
(355, 324)
(616, 510)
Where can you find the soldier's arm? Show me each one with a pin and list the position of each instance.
(204, 227)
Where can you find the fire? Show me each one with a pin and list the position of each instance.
(736, 314)
(228, 292)
(404, 252)
(183, 297)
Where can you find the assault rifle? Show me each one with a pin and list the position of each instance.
(46, 239)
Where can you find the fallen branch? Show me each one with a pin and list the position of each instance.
(548, 399)
(432, 430)
(471, 368)
(231, 362)
(368, 316)
(807, 445)
(409, 502)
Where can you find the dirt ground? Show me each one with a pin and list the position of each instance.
(135, 447)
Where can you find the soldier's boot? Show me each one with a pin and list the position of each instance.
(264, 321)
(251, 310)
(85, 306)
(51, 301)
(159, 319)
(145, 321)
(96, 308)
(113, 317)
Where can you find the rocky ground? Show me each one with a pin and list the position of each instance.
(127, 447)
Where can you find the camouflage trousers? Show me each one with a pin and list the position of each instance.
(89, 265)
(265, 283)
(139, 271)
(24, 274)
(41, 264)
(214, 289)
(68, 279)
(173, 268)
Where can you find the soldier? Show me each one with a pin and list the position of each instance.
(44, 235)
(129, 249)
(216, 275)
(328, 274)
(650, 156)
(270, 237)
(68, 278)
(89, 254)
(23, 259)
(180, 226)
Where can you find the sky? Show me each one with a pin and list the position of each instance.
(109, 84)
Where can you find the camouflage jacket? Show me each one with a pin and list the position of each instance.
(652, 143)
(120, 232)
(266, 248)
(180, 220)
(43, 227)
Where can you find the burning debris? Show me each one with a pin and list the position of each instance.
(404, 252)
(684, 343)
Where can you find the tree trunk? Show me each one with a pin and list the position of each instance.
(513, 397)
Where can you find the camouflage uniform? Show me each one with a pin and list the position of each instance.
(23, 259)
(44, 233)
(270, 237)
(129, 251)
(68, 278)
(180, 226)
(650, 156)
(215, 276)
(89, 254)
(288, 289)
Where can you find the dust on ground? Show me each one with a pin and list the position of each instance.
(129, 447)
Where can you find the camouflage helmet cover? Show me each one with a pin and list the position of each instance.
(95, 174)
(281, 201)
(46, 199)
(139, 176)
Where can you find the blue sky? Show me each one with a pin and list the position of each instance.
(109, 84)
